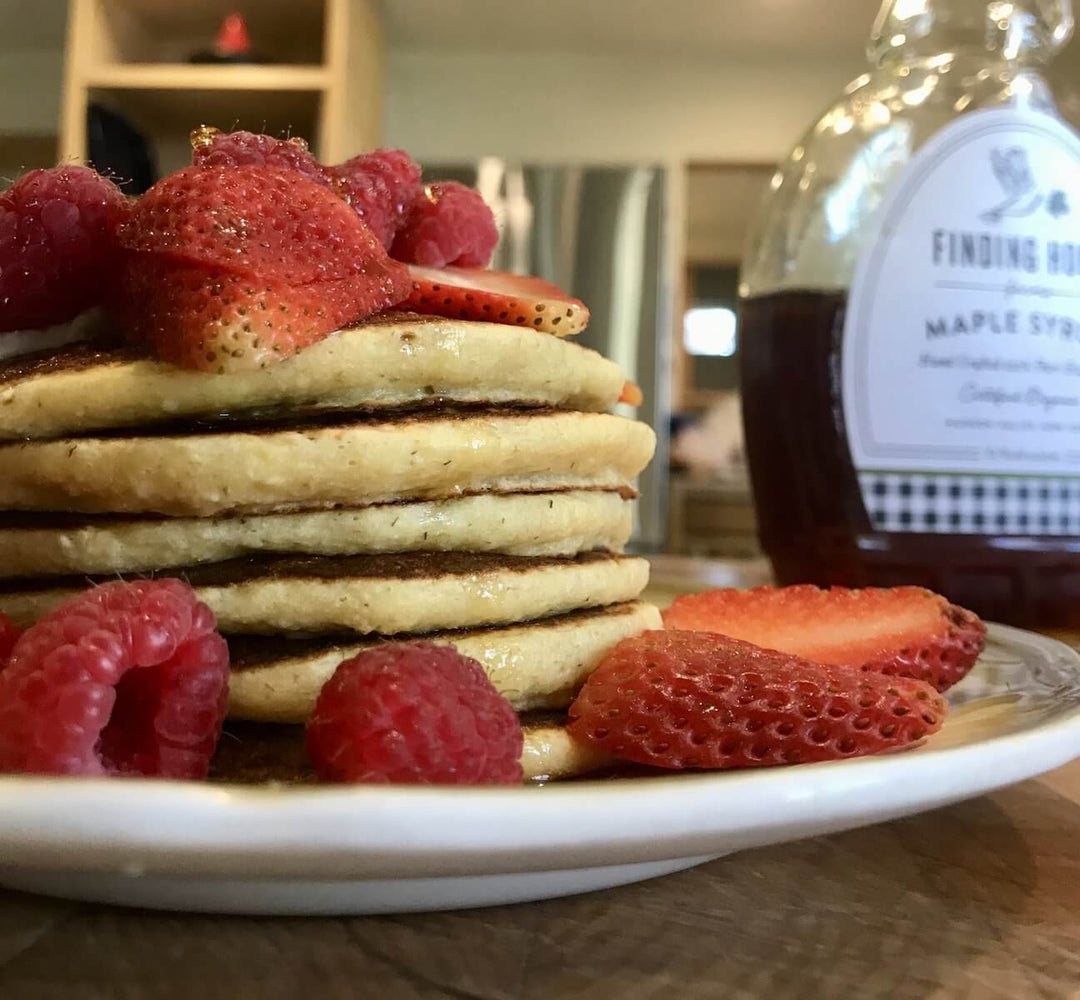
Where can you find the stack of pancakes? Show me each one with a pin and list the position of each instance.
(414, 476)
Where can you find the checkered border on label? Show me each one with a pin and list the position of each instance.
(971, 505)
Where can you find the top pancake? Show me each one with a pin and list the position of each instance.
(396, 360)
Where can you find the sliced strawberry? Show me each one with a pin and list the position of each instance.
(905, 631)
(380, 186)
(230, 267)
(265, 219)
(700, 700)
(218, 320)
(495, 297)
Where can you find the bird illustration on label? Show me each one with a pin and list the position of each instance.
(1013, 173)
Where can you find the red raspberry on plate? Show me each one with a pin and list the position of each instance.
(58, 245)
(906, 631)
(249, 149)
(380, 186)
(9, 635)
(128, 678)
(700, 700)
(447, 224)
(414, 713)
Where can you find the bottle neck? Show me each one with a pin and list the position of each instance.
(1025, 32)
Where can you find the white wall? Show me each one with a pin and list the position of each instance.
(31, 65)
(571, 107)
(603, 108)
(29, 110)
(30, 91)
(447, 106)
(722, 203)
(596, 108)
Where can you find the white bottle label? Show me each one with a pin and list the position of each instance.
(961, 350)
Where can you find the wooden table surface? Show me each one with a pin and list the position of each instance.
(978, 900)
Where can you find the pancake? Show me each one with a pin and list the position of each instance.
(384, 594)
(524, 524)
(534, 665)
(321, 465)
(550, 753)
(394, 360)
(254, 754)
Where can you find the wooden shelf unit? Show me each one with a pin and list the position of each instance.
(182, 76)
(128, 55)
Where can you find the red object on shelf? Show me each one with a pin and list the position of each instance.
(232, 37)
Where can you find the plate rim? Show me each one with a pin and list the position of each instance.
(178, 826)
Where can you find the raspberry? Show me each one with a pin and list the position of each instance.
(414, 713)
(247, 149)
(9, 635)
(128, 678)
(58, 245)
(448, 224)
(381, 186)
(700, 700)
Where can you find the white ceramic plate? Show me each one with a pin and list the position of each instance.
(223, 849)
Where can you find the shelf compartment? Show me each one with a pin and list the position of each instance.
(167, 116)
(132, 56)
(162, 31)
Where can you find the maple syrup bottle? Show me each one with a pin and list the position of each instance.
(910, 322)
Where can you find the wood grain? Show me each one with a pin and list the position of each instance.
(980, 900)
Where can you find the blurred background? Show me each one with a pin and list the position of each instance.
(624, 144)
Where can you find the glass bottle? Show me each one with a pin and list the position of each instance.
(910, 322)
